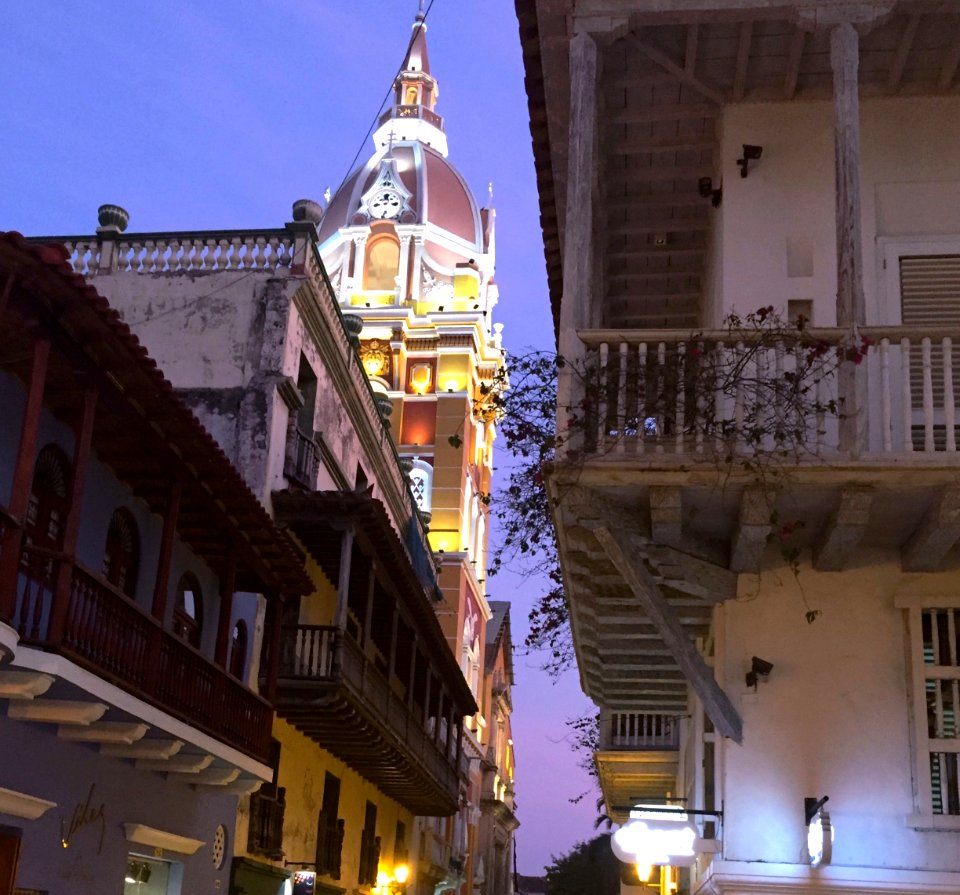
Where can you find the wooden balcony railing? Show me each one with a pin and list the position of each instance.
(302, 462)
(333, 660)
(640, 731)
(670, 392)
(106, 632)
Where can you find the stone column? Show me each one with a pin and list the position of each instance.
(403, 274)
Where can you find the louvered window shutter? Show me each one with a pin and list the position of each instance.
(930, 301)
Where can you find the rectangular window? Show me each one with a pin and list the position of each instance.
(941, 682)
(330, 829)
(934, 631)
(369, 847)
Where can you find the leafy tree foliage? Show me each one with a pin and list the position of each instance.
(590, 867)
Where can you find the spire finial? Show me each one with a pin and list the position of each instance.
(490, 191)
(421, 13)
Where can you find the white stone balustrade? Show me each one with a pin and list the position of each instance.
(180, 252)
(716, 393)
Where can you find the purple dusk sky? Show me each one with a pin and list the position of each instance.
(219, 115)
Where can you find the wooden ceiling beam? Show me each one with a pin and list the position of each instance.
(690, 50)
(937, 534)
(753, 527)
(683, 199)
(665, 225)
(665, 112)
(715, 701)
(655, 54)
(793, 63)
(950, 61)
(903, 51)
(743, 60)
(657, 173)
(640, 146)
(844, 532)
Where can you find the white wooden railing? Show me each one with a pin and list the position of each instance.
(640, 731)
(670, 392)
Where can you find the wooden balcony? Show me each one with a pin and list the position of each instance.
(670, 393)
(638, 756)
(102, 630)
(696, 458)
(334, 693)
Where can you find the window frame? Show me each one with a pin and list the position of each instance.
(923, 818)
(192, 624)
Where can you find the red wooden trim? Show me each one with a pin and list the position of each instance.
(274, 612)
(5, 296)
(22, 475)
(228, 581)
(81, 459)
(27, 450)
(166, 551)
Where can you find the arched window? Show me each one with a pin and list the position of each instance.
(188, 611)
(383, 263)
(121, 555)
(47, 507)
(421, 482)
(238, 650)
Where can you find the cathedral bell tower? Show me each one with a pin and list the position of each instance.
(411, 253)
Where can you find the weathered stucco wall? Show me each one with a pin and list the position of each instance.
(775, 229)
(833, 718)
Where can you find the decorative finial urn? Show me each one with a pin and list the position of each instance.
(113, 217)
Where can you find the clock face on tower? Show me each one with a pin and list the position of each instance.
(385, 204)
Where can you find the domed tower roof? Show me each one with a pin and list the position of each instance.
(409, 180)
(422, 187)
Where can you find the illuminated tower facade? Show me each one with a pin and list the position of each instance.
(410, 252)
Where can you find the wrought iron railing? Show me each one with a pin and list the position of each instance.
(265, 831)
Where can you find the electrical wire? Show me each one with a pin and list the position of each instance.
(421, 24)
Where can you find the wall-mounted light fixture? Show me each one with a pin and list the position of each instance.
(819, 830)
(759, 670)
(750, 154)
(705, 187)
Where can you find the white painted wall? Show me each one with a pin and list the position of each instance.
(775, 237)
(833, 718)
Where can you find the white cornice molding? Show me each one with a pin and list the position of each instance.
(141, 834)
(20, 804)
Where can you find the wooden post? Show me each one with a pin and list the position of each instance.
(412, 679)
(228, 582)
(22, 475)
(81, 459)
(392, 658)
(426, 696)
(576, 306)
(343, 585)
(851, 304)
(162, 583)
(368, 608)
(272, 640)
(845, 61)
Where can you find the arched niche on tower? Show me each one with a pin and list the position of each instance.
(381, 263)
